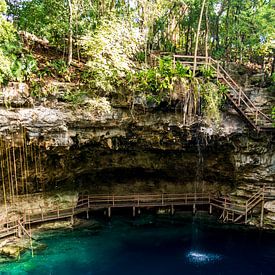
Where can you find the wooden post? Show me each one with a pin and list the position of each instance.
(245, 212)
(162, 199)
(172, 210)
(134, 211)
(58, 211)
(87, 214)
(7, 221)
(194, 208)
(239, 99)
(256, 117)
(210, 209)
(262, 213)
(109, 212)
(19, 229)
(113, 200)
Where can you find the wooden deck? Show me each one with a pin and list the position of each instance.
(230, 211)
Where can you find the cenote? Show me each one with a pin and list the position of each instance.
(151, 245)
(137, 137)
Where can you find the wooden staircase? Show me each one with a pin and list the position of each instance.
(240, 101)
(236, 212)
(254, 117)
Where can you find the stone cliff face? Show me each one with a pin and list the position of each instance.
(106, 149)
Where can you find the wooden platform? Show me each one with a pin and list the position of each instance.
(230, 211)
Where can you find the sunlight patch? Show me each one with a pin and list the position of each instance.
(202, 257)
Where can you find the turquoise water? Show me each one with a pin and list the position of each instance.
(168, 246)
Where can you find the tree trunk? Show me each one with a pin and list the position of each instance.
(187, 40)
(227, 38)
(70, 38)
(273, 63)
(206, 32)
(197, 37)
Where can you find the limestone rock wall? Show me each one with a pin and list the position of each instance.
(107, 148)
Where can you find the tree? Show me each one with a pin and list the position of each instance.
(197, 37)
(110, 51)
(8, 43)
(70, 36)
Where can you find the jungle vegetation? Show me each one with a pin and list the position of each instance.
(106, 44)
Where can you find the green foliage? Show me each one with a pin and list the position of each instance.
(212, 101)
(75, 97)
(207, 72)
(167, 82)
(5, 65)
(60, 66)
(23, 68)
(237, 30)
(3, 6)
(36, 89)
(162, 79)
(44, 18)
(9, 47)
(111, 50)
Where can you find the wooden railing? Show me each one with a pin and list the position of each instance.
(11, 226)
(241, 102)
(237, 211)
(145, 200)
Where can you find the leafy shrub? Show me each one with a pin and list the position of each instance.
(212, 100)
(5, 64)
(161, 79)
(207, 72)
(60, 66)
(111, 50)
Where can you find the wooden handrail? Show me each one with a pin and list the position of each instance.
(87, 202)
(258, 116)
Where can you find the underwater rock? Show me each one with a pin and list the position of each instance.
(11, 251)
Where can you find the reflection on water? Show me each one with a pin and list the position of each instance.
(150, 246)
(198, 257)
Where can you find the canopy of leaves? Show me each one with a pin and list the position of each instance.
(233, 29)
(111, 49)
(7, 45)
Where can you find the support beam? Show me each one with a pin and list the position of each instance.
(262, 214)
(194, 208)
(109, 212)
(172, 210)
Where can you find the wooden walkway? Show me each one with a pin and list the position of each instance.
(230, 211)
(240, 101)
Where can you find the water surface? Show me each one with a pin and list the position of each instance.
(158, 247)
